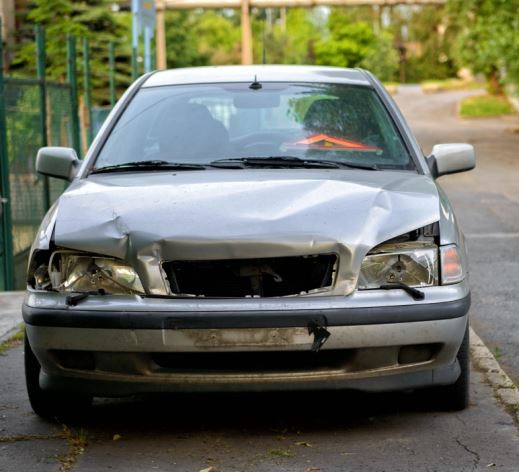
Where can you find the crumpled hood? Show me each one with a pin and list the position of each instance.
(148, 218)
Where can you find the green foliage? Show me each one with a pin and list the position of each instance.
(487, 38)
(424, 42)
(87, 18)
(288, 39)
(218, 37)
(382, 60)
(181, 40)
(484, 106)
(354, 44)
(201, 38)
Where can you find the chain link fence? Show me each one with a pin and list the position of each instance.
(30, 194)
(35, 112)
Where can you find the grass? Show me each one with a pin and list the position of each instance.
(449, 84)
(485, 106)
(15, 340)
(281, 453)
(498, 353)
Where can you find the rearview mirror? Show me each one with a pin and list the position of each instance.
(451, 158)
(59, 162)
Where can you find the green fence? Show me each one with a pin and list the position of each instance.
(30, 193)
(33, 113)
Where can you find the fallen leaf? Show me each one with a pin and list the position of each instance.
(303, 443)
(281, 452)
(116, 437)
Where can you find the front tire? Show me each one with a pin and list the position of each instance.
(55, 406)
(456, 397)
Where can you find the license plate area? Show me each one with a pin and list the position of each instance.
(238, 339)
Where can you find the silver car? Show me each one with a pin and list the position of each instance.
(243, 229)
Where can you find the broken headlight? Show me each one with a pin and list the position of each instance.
(414, 263)
(73, 272)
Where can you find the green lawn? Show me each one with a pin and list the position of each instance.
(485, 105)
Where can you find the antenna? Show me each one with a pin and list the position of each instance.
(255, 85)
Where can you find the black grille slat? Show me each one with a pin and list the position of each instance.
(242, 362)
(263, 277)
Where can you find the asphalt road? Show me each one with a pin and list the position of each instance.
(319, 431)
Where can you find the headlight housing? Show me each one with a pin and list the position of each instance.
(76, 272)
(414, 263)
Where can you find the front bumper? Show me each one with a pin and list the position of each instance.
(119, 346)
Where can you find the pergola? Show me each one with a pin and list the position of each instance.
(245, 6)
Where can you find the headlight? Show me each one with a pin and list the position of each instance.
(414, 263)
(73, 272)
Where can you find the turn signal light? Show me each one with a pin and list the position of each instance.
(451, 267)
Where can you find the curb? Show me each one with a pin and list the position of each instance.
(505, 390)
(9, 334)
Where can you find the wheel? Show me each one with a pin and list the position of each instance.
(63, 407)
(455, 397)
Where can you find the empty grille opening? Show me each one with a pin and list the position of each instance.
(265, 277)
(253, 362)
(417, 353)
(77, 360)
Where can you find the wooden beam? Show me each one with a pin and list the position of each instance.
(217, 4)
(160, 39)
(246, 33)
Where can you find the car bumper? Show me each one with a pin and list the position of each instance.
(378, 341)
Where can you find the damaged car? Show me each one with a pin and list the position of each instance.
(248, 228)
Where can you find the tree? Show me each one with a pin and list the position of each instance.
(354, 44)
(487, 39)
(288, 38)
(92, 19)
(181, 40)
(425, 41)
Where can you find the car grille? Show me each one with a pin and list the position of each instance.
(265, 277)
(253, 362)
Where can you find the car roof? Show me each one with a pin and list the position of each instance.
(261, 73)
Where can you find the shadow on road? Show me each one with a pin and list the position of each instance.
(262, 411)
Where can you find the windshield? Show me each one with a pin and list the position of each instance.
(199, 124)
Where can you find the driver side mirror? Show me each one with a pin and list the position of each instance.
(451, 158)
(59, 162)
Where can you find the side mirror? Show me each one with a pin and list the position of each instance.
(59, 162)
(451, 158)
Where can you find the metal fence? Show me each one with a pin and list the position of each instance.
(31, 194)
(33, 113)
(36, 112)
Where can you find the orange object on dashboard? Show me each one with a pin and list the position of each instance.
(324, 141)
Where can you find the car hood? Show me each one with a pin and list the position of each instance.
(148, 218)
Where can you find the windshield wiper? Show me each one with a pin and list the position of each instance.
(287, 161)
(411, 291)
(149, 165)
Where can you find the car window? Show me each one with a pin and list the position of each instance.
(201, 123)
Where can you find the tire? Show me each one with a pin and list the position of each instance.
(55, 406)
(456, 397)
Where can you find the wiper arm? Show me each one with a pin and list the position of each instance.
(149, 165)
(286, 161)
(272, 161)
(75, 298)
(411, 291)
